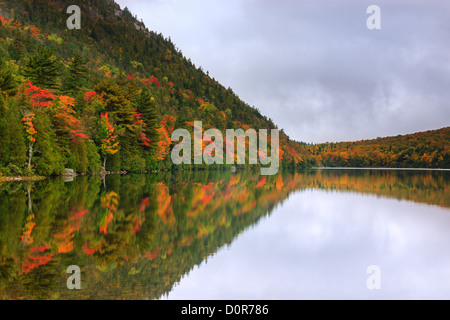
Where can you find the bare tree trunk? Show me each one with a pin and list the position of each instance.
(104, 162)
(30, 203)
(30, 154)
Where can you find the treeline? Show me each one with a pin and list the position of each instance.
(430, 149)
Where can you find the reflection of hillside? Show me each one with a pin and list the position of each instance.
(135, 236)
(430, 187)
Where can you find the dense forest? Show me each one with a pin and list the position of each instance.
(111, 93)
(430, 149)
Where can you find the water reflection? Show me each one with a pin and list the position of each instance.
(136, 236)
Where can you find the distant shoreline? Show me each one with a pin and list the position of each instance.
(378, 168)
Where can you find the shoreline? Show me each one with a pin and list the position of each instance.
(20, 178)
(38, 178)
(379, 168)
(100, 173)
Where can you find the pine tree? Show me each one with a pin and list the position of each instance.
(42, 69)
(47, 158)
(76, 77)
(12, 142)
(7, 82)
(17, 49)
(117, 105)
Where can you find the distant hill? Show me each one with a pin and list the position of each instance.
(111, 93)
(429, 149)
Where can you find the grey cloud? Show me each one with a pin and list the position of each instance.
(314, 67)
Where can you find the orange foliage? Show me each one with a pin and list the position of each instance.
(109, 143)
(110, 202)
(279, 183)
(64, 238)
(165, 211)
(261, 182)
(26, 234)
(165, 131)
(29, 127)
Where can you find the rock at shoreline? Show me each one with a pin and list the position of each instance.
(68, 178)
(69, 172)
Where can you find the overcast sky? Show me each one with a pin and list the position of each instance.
(313, 66)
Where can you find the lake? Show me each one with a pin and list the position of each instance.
(315, 234)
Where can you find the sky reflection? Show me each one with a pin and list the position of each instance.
(318, 245)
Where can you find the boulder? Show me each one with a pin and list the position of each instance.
(69, 172)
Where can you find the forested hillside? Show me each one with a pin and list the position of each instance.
(111, 93)
(430, 149)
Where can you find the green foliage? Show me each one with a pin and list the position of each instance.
(47, 155)
(12, 142)
(7, 82)
(76, 76)
(93, 157)
(42, 68)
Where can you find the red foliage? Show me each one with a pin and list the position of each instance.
(144, 204)
(87, 249)
(207, 199)
(35, 32)
(4, 21)
(35, 261)
(151, 255)
(38, 97)
(40, 249)
(136, 227)
(89, 96)
(153, 80)
(79, 137)
(78, 214)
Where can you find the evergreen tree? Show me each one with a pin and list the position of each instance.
(7, 82)
(76, 77)
(17, 49)
(42, 69)
(47, 154)
(12, 142)
(117, 105)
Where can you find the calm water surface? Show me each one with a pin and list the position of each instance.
(212, 235)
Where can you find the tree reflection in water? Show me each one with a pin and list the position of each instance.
(135, 236)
